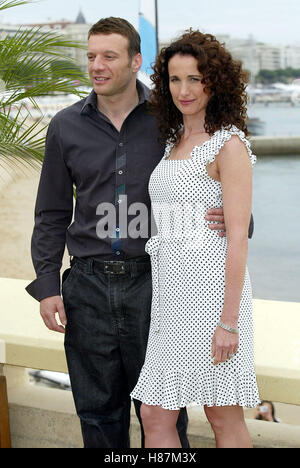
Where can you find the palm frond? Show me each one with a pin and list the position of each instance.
(31, 65)
(4, 4)
(36, 41)
(19, 140)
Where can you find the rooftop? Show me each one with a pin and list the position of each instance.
(80, 18)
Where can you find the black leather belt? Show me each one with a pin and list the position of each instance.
(116, 267)
(121, 267)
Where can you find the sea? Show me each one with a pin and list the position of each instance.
(274, 250)
(278, 119)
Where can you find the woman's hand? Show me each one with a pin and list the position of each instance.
(224, 345)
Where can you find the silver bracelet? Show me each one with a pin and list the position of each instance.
(229, 329)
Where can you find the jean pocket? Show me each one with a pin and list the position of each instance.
(67, 275)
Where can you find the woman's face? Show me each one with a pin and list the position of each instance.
(186, 87)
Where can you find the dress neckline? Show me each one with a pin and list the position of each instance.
(190, 158)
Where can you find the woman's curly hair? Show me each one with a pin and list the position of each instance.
(223, 77)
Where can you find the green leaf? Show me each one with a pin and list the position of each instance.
(30, 65)
(4, 4)
(21, 140)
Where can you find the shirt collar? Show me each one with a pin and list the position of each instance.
(143, 92)
(91, 100)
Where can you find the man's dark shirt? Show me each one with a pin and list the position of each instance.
(85, 150)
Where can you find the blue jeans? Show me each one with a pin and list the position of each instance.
(106, 338)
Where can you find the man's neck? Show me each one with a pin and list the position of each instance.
(119, 106)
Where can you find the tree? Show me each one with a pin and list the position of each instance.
(286, 75)
(33, 63)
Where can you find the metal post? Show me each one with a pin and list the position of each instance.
(156, 26)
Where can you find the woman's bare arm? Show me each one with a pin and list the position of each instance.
(235, 170)
(236, 178)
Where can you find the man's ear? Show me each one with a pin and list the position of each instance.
(137, 62)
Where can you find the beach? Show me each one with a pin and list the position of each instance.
(18, 191)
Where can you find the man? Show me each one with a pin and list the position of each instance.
(107, 146)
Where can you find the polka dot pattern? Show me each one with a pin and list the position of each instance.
(188, 273)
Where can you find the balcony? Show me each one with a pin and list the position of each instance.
(42, 417)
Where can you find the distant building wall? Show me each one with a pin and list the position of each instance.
(258, 56)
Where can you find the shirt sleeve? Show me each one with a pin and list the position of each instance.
(53, 215)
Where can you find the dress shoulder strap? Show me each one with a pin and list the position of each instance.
(168, 148)
(213, 146)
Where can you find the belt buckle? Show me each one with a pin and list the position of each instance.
(114, 267)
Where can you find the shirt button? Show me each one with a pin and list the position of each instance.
(119, 201)
(118, 252)
(121, 144)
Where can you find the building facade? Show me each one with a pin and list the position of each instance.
(78, 31)
(257, 56)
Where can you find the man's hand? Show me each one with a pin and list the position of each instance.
(217, 214)
(48, 308)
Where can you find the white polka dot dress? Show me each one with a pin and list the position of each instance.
(188, 274)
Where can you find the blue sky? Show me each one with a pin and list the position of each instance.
(271, 21)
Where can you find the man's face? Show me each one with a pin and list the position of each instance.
(110, 68)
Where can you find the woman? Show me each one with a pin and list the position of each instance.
(266, 412)
(200, 347)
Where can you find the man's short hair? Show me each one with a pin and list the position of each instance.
(118, 26)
